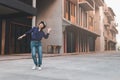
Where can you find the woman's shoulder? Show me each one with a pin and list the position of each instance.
(34, 27)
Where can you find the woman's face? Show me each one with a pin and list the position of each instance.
(41, 25)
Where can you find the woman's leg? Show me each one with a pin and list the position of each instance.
(39, 54)
(33, 51)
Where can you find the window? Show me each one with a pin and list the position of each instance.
(84, 19)
(69, 11)
(66, 9)
(81, 17)
(73, 11)
(90, 22)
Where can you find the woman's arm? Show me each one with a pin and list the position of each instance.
(28, 32)
(48, 32)
(46, 35)
(21, 36)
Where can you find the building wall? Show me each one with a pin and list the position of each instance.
(118, 43)
(110, 30)
(51, 12)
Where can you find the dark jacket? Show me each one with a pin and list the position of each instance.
(37, 35)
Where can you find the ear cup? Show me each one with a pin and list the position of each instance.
(44, 23)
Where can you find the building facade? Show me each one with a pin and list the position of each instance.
(110, 30)
(77, 25)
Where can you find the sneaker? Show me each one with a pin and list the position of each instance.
(39, 68)
(34, 67)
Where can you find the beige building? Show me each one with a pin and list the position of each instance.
(110, 30)
(77, 26)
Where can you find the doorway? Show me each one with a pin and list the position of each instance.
(12, 44)
(71, 42)
(91, 43)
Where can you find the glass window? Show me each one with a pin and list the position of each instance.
(66, 9)
(73, 11)
(84, 19)
(69, 11)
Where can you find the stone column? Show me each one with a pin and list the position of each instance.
(3, 37)
(34, 17)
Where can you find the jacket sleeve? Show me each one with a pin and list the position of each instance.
(46, 35)
(30, 31)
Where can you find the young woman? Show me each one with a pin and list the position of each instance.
(36, 36)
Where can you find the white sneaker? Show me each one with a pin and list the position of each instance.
(34, 67)
(39, 68)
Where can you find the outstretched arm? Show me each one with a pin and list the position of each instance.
(28, 32)
(21, 36)
(48, 32)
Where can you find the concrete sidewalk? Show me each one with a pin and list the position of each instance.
(28, 55)
(76, 67)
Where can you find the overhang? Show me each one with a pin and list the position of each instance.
(12, 7)
(68, 23)
(86, 6)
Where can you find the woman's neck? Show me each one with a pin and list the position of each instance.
(39, 28)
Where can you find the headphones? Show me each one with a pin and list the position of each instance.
(44, 23)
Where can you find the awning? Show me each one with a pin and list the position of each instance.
(15, 8)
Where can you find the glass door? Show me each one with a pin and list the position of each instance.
(91, 43)
(13, 45)
(71, 43)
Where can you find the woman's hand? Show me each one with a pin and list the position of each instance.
(21, 36)
(49, 29)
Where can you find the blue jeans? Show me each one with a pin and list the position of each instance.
(36, 47)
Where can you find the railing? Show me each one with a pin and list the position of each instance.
(108, 13)
(114, 24)
(106, 23)
(89, 1)
(88, 5)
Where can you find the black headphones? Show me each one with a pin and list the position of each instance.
(44, 23)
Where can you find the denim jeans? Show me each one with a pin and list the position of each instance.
(36, 47)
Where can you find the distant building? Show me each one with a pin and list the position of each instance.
(110, 30)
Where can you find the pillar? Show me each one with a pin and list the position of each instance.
(3, 37)
(34, 17)
(87, 43)
(65, 41)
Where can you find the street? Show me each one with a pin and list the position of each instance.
(75, 67)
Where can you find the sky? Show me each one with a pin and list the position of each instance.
(115, 4)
